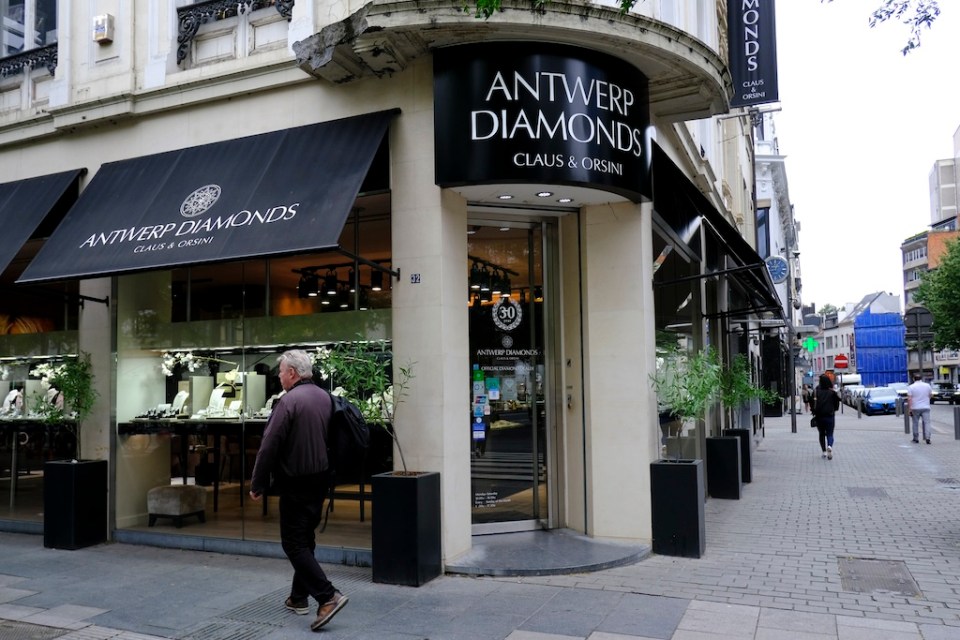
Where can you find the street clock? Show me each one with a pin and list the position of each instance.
(778, 269)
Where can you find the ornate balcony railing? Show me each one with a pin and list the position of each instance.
(194, 15)
(31, 59)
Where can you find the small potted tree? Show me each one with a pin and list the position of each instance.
(737, 395)
(74, 490)
(687, 384)
(405, 538)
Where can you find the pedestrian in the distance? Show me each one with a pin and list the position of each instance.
(825, 405)
(294, 450)
(805, 394)
(918, 404)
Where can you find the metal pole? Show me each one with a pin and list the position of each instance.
(956, 423)
(791, 364)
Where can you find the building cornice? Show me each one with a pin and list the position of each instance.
(687, 79)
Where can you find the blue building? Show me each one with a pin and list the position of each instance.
(879, 349)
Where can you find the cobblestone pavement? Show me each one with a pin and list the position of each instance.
(864, 546)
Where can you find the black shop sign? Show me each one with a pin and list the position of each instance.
(519, 112)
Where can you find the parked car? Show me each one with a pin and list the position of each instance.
(900, 388)
(942, 392)
(850, 393)
(879, 400)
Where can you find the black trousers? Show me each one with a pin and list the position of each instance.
(301, 509)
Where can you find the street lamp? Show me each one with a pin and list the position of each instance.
(790, 339)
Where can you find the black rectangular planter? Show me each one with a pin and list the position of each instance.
(406, 528)
(745, 462)
(677, 496)
(723, 468)
(74, 503)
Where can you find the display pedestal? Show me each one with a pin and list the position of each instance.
(723, 468)
(405, 543)
(677, 497)
(745, 462)
(74, 503)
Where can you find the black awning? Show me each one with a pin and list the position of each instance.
(679, 204)
(24, 204)
(285, 192)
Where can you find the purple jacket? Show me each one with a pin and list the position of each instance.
(295, 438)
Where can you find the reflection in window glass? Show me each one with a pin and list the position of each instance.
(27, 24)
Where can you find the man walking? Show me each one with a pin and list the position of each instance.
(294, 450)
(918, 403)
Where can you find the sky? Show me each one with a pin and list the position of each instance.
(860, 126)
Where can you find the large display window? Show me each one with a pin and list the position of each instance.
(197, 352)
(38, 325)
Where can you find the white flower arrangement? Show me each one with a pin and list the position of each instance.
(170, 360)
(48, 371)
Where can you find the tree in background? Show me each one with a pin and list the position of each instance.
(916, 14)
(939, 292)
(827, 309)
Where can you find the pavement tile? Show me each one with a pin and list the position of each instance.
(9, 594)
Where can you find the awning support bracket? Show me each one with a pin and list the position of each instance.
(701, 276)
(370, 263)
(82, 298)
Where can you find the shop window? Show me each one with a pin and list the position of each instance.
(27, 24)
(198, 347)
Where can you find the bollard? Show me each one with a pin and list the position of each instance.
(956, 423)
(906, 422)
(898, 407)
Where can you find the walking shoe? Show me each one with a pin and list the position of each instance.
(915, 441)
(299, 607)
(829, 453)
(326, 612)
(823, 454)
(928, 440)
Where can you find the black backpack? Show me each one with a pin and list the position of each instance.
(348, 435)
(348, 438)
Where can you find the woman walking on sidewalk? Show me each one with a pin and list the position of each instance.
(825, 405)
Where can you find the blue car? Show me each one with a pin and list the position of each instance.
(879, 400)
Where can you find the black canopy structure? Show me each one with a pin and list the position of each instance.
(682, 206)
(24, 204)
(285, 192)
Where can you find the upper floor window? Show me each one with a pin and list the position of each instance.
(27, 24)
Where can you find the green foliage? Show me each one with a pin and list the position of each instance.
(687, 383)
(361, 372)
(74, 379)
(939, 292)
(736, 387)
(827, 309)
(916, 14)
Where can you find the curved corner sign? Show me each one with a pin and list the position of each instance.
(521, 112)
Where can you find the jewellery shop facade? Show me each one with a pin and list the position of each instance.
(510, 219)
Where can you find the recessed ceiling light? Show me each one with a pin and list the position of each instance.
(564, 200)
(504, 196)
(544, 194)
(504, 228)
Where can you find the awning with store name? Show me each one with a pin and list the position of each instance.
(285, 192)
(681, 205)
(24, 204)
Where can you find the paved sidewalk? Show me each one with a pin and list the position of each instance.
(866, 545)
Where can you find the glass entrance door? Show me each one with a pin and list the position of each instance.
(509, 377)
